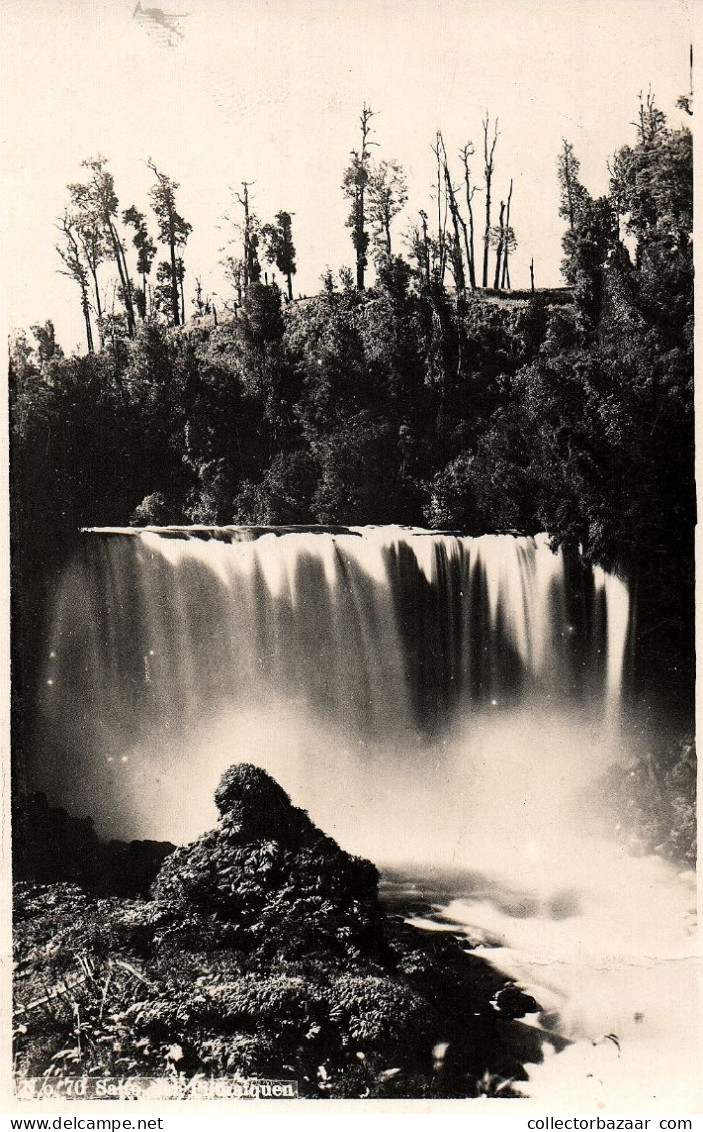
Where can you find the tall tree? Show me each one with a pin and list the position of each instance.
(146, 250)
(509, 242)
(388, 194)
(441, 243)
(488, 163)
(572, 193)
(587, 248)
(465, 153)
(173, 231)
(497, 237)
(75, 269)
(355, 185)
(47, 349)
(651, 121)
(96, 249)
(278, 240)
(455, 251)
(164, 294)
(249, 228)
(97, 203)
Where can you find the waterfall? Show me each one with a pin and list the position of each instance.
(387, 637)
(444, 705)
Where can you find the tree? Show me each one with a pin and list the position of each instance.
(418, 242)
(76, 270)
(587, 248)
(488, 161)
(572, 193)
(146, 250)
(47, 349)
(251, 268)
(440, 244)
(202, 302)
(455, 252)
(387, 196)
(504, 241)
(95, 247)
(355, 186)
(173, 232)
(278, 241)
(591, 236)
(497, 236)
(465, 153)
(652, 188)
(651, 121)
(97, 204)
(163, 293)
(509, 241)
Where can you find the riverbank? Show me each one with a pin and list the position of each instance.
(264, 952)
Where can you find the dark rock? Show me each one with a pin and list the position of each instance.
(271, 879)
(50, 846)
(512, 1002)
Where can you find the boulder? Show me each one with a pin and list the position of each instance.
(270, 880)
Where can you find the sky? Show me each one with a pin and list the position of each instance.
(270, 91)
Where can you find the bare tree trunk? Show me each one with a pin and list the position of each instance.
(86, 315)
(246, 250)
(426, 245)
(488, 153)
(469, 237)
(360, 232)
(174, 281)
(123, 273)
(499, 249)
(441, 221)
(457, 260)
(92, 267)
(505, 282)
(289, 277)
(98, 302)
(532, 275)
(360, 216)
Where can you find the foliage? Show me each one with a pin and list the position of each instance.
(173, 233)
(269, 879)
(655, 797)
(263, 953)
(388, 195)
(278, 239)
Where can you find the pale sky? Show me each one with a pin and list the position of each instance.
(270, 91)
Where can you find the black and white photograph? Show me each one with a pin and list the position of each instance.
(352, 512)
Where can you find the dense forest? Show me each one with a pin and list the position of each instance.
(422, 398)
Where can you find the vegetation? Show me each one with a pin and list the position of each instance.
(655, 795)
(409, 400)
(263, 953)
(263, 950)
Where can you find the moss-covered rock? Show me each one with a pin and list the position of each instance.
(263, 953)
(269, 880)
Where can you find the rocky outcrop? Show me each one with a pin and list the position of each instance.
(270, 878)
(264, 952)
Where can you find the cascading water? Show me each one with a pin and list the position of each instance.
(442, 704)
